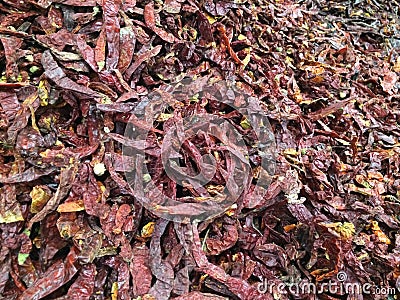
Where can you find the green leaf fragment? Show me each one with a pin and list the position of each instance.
(101, 65)
(245, 123)
(33, 69)
(146, 177)
(22, 258)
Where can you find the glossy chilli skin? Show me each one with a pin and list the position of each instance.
(194, 150)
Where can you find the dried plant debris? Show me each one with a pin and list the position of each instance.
(326, 73)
